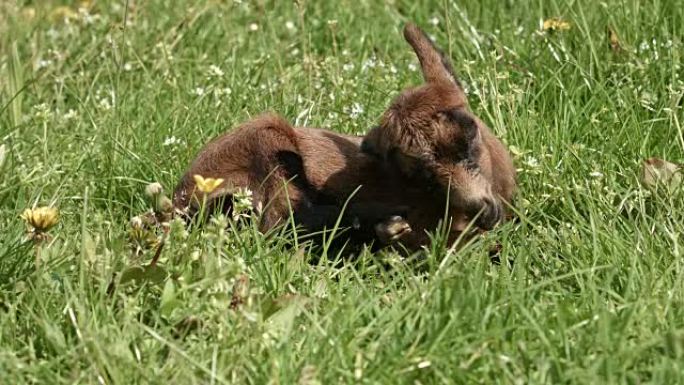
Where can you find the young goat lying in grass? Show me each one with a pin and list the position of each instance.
(428, 146)
(430, 134)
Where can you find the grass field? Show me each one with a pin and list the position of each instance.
(97, 103)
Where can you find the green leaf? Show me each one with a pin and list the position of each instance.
(168, 299)
(281, 322)
(141, 274)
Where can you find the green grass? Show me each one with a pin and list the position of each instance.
(593, 293)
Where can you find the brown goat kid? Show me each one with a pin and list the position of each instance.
(428, 145)
(430, 134)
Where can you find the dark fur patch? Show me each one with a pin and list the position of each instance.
(463, 147)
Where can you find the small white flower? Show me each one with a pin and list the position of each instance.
(127, 67)
(412, 67)
(355, 111)
(393, 69)
(242, 203)
(369, 63)
(290, 25)
(531, 162)
(71, 114)
(254, 27)
(434, 21)
(223, 91)
(215, 70)
(596, 174)
(348, 67)
(199, 91)
(40, 64)
(172, 140)
(105, 104)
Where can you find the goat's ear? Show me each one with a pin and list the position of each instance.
(368, 145)
(435, 66)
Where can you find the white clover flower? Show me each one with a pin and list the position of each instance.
(434, 21)
(254, 27)
(290, 25)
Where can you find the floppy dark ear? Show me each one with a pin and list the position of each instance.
(436, 67)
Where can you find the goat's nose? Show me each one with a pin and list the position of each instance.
(490, 214)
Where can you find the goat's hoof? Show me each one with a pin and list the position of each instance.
(392, 229)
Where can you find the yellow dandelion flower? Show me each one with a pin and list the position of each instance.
(41, 219)
(556, 24)
(207, 185)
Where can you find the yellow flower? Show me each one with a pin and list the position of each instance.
(207, 185)
(42, 218)
(555, 24)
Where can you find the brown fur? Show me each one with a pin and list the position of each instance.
(333, 167)
(426, 134)
(430, 134)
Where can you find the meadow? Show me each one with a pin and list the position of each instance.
(98, 99)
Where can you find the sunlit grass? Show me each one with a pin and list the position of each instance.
(98, 100)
